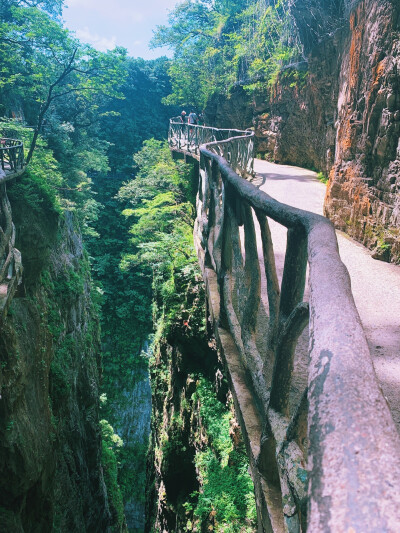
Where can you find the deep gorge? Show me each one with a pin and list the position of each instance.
(111, 292)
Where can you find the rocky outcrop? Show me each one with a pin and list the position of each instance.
(234, 112)
(176, 433)
(51, 476)
(345, 119)
(173, 443)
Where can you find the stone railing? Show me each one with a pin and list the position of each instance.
(323, 448)
(11, 166)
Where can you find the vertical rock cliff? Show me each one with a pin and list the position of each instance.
(337, 111)
(363, 193)
(345, 119)
(50, 448)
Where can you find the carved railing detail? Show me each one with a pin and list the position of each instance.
(11, 166)
(328, 456)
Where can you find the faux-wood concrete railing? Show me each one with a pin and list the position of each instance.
(11, 157)
(187, 138)
(11, 166)
(327, 458)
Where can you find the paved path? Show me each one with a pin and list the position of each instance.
(375, 284)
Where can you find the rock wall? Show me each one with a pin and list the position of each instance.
(51, 477)
(344, 120)
(197, 465)
(176, 431)
(363, 193)
(338, 112)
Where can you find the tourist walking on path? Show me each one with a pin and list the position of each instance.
(192, 118)
(183, 116)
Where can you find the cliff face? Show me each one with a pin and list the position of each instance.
(198, 469)
(51, 477)
(363, 193)
(178, 358)
(339, 112)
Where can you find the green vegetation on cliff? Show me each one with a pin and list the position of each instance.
(226, 496)
(160, 208)
(191, 428)
(69, 173)
(201, 480)
(82, 115)
(218, 44)
(50, 370)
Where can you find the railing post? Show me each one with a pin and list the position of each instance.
(294, 273)
(293, 317)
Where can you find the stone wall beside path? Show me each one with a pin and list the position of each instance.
(337, 112)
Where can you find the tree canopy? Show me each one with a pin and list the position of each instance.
(46, 71)
(218, 44)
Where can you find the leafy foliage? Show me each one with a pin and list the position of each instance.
(84, 113)
(125, 294)
(56, 72)
(111, 446)
(161, 223)
(226, 498)
(218, 44)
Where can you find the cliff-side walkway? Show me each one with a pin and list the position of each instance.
(12, 165)
(324, 450)
(375, 284)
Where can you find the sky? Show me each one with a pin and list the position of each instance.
(108, 23)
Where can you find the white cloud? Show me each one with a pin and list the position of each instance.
(119, 11)
(127, 23)
(100, 43)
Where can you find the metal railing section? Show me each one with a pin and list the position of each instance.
(11, 156)
(330, 452)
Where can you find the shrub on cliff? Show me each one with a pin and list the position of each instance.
(162, 216)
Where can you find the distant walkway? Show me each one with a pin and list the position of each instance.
(12, 165)
(12, 162)
(375, 284)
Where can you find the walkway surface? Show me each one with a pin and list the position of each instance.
(375, 284)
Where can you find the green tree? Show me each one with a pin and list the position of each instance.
(46, 68)
(161, 215)
(218, 44)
